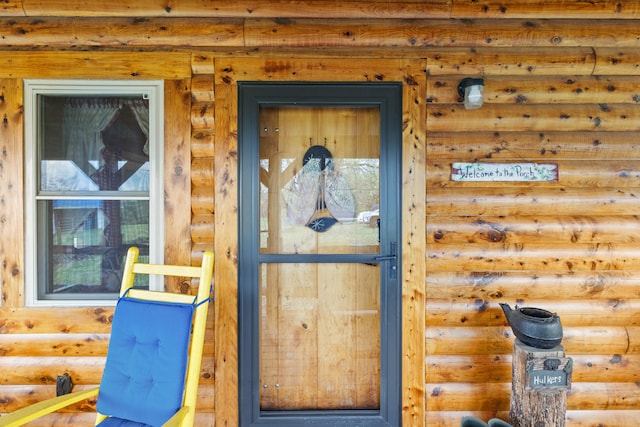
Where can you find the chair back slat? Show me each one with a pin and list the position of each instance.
(167, 270)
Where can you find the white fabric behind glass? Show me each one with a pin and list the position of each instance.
(82, 124)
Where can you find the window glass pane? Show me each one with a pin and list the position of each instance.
(92, 197)
(319, 194)
(83, 243)
(319, 336)
(319, 180)
(94, 144)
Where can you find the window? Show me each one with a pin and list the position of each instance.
(93, 176)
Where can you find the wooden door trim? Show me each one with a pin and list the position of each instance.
(412, 74)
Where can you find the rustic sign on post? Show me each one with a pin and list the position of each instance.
(549, 372)
(512, 172)
(540, 381)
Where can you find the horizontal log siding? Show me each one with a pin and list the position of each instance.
(557, 90)
(38, 344)
(71, 32)
(619, 9)
(569, 246)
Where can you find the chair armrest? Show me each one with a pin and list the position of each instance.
(37, 410)
(177, 418)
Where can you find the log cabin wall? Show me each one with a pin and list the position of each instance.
(561, 84)
(555, 245)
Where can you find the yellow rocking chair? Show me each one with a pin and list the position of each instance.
(153, 363)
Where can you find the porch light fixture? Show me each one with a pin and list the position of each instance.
(471, 89)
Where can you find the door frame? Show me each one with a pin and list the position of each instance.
(388, 98)
(229, 71)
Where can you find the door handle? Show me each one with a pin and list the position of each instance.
(393, 261)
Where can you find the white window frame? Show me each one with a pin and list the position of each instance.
(153, 90)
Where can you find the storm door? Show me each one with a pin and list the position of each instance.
(319, 255)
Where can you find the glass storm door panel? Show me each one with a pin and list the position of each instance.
(319, 254)
(310, 200)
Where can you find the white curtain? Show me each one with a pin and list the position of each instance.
(141, 110)
(83, 120)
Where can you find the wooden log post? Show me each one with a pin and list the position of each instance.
(541, 378)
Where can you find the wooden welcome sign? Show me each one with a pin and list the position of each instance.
(514, 172)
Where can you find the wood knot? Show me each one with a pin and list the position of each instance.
(185, 287)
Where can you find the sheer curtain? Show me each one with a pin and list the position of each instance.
(83, 120)
(140, 108)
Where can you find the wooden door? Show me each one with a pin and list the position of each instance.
(320, 235)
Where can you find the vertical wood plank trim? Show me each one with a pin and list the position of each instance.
(412, 74)
(177, 174)
(11, 194)
(226, 253)
(413, 245)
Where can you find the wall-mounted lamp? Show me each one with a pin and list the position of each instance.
(471, 89)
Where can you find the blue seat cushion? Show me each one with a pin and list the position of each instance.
(119, 422)
(144, 375)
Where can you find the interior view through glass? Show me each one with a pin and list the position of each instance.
(319, 194)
